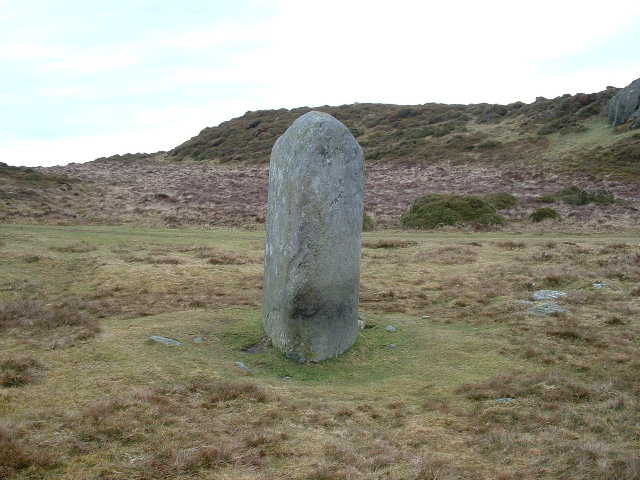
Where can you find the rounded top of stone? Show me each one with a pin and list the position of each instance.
(317, 119)
(317, 132)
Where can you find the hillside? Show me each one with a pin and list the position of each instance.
(568, 133)
(219, 177)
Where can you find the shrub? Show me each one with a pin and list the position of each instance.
(368, 224)
(501, 200)
(435, 210)
(577, 196)
(543, 213)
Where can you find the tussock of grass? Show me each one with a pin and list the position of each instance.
(17, 371)
(79, 247)
(389, 243)
(15, 456)
(511, 245)
(64, 322)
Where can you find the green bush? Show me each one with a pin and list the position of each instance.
(435, 210)
(543, 213)
(368, 223)
(501, 200)
(577, 196)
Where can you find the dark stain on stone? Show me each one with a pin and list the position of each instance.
(306, 303)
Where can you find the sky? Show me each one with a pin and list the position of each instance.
(82, 79)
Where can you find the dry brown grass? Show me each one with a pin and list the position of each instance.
(118, 408)
(16, 456)
(78, 247)
(510, 245)
(389, 243)
(57, 325)
(16, 371)
(450, 255)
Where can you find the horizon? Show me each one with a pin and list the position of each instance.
(74, 91)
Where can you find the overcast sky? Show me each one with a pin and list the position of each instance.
(80, 79)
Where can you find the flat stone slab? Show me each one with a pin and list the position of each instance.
(505, 400)
(547, 308)
(165, 341)
(242, 366)
(548, 294)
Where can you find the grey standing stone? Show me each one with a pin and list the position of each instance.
(314, 225)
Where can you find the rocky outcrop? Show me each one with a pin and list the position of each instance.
(625, 106)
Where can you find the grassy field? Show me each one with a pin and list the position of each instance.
(471, 385)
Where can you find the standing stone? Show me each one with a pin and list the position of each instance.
(314, 223)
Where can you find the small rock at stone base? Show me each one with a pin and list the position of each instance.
(546, 308)
(390, 328)
(526, 302)
(243, 367)
(548, 294)
(166, 341)
(198, 340)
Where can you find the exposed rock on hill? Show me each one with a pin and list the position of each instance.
(625, 106)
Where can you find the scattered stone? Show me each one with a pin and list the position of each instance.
(198, 340)
(548, 294)
(257, 347)
(242, 366)
(362, 324)
(392, 345)
(286, 377)
(426, 316)
(390, 328)
(313, 245)
(599, 284)
(505, 400)
(624, 106)
(547, 308)
(166, 341)
(526, 302)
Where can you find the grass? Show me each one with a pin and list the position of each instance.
(420, 402)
